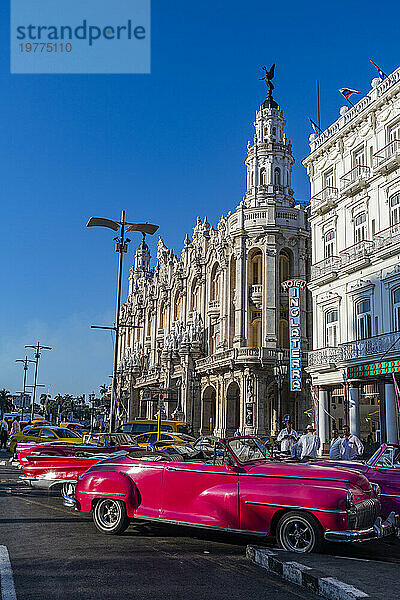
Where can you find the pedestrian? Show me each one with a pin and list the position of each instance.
(336, 444)
(3, 434)
(287, 437)
(15, 427)
(295, 451)
(351, 446)
(309, 443)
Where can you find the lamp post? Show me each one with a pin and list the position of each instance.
(37, 349)
(280, 372)
(25, 361)
(121, 247)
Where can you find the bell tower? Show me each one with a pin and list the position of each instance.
(142, 259)
(269, 159)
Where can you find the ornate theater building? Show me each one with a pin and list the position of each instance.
(213, 319)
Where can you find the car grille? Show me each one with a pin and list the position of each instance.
(364, 514)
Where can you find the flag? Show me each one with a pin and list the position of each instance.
(317, 130)
(382, 75)
(347, 92)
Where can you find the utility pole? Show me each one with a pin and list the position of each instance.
(25, 361)
(37, 349)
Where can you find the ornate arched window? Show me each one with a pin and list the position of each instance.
(255, 267)
(331, 328)
(395, 209)
(177, 307)
(277, 176)
(163, 314)
(284, 266)
(263, 176)
(214, 283)
(255, 328)
(284, 333)
(329, 243)
(396, 309)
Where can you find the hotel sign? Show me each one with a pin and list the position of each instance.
(294, 286)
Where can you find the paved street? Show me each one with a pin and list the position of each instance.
(55, 553)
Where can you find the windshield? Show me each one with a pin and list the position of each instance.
(390, 458)
(249, 449)
(65, 433)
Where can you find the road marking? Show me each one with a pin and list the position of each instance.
(6, 576)
(48, 506)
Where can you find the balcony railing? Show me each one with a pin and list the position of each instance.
(359, 252)
(325, 267)
(389, 154)
(388, 237)
(373, 348)
(324, 357)
(240, 355)
(325, 198)
(354, 178)
(213, 305)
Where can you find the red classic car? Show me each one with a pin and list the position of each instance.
(103, 443)
(383, 468)
(238, 489)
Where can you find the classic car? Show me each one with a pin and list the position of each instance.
(144, 439)
(77, 427)
(46, 433)
(383, 468)
(103, 443)
(46, 472)
(145, 425)
(239, 489)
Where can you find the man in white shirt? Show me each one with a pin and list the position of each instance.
(3, 435)
(335, 451)
(309, 443)
(287, 437)
(351, 446)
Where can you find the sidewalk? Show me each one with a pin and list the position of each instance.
(337, 577)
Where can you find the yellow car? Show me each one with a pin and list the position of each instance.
(76, 427)
(144, 439)
(42, 434)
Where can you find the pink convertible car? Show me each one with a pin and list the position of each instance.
(238, 489)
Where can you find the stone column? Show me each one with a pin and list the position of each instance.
(392, 433)
(323, 419)
(354, 409)
(240, 295)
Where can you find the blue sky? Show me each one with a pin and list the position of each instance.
(166, 147)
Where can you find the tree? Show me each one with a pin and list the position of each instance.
(104, 390)
(5, 402)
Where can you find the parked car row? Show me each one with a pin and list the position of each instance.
(233, 484)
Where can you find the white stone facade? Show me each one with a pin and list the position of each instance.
(213, 318)
(355, 275)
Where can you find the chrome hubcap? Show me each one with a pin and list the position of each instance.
(109, 513)
(298, 535)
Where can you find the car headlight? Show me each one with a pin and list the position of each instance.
(350, 499)
(376, 489)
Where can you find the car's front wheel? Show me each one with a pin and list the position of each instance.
(299, 532)
(110, 517)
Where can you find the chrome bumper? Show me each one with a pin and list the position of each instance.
(379, 530)
(69, 501)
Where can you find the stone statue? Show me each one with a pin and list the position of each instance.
(269, 75)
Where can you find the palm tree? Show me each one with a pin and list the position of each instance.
(5, 401)
(103, 390)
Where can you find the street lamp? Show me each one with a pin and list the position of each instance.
(26, 360)
(280, 372)
(121, 247)
(37, 349)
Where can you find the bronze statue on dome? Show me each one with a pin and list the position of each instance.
(269, 75)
